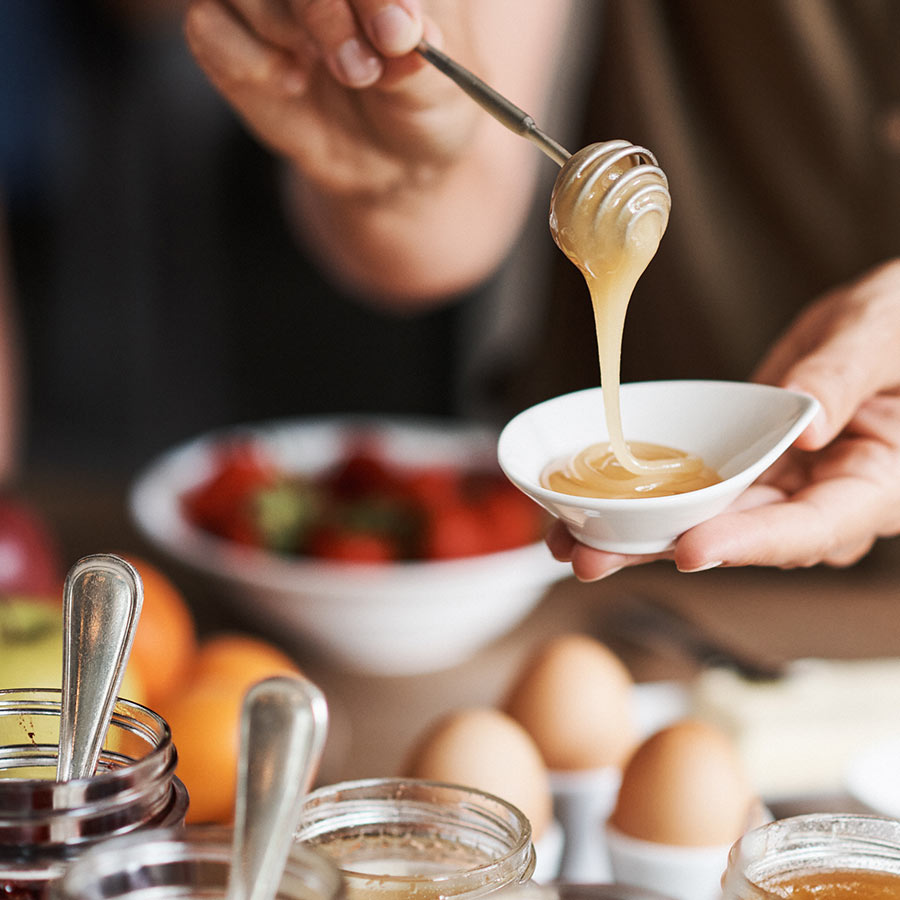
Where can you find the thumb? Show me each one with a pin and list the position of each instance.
(842, 351)
(841, 374)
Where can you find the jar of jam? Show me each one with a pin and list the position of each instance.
(394, 838)
(44, 824)
(183, 862)
(822, 856)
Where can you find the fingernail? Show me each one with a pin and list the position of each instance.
(356, 64)
(606, 574)
(704, 567)
(394, 30)
(818, 428)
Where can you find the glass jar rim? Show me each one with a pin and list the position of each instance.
(362, 799)
(21, 798)
(813, 840)
(210, 844)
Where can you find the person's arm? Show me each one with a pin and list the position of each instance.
(404, 188)
(836, 491)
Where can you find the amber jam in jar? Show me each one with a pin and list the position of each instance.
(392, 838)
(45, 824)
(821, 856)
(183, 863)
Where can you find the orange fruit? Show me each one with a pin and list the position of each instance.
(205, 723)
(205, 718)
(239, 658)
(166, 638)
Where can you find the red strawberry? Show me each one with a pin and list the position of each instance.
(359, 475)
(434, 487)
(221, 504)
(351, 546)
(513, 518)
(453, 532)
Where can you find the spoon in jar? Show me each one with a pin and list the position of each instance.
(284, 723)
(102, 601)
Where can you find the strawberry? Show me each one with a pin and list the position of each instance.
(351, 546)
(222, 503)
(359, 475)
(434, 487)
(454, 531)
(513, 519)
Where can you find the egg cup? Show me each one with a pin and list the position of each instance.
(548, 853)
(683, 873)
(582, 802)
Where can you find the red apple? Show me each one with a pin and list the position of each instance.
(29, 557)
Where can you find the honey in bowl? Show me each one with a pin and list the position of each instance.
(597, 472)
(608, 212)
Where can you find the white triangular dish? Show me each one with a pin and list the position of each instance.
(738, 428)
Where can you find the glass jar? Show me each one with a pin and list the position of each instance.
(821, 855)
(43, 823)
(183, 862)
(394, 837)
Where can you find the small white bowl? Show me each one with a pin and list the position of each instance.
(386, 619)
(738, 428)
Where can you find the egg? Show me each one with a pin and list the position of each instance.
(685, 785)
(574, 698)
(484, 748)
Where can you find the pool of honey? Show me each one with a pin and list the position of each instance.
(597, 472)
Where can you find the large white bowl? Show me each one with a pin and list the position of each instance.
(738, 428)
(389, 619)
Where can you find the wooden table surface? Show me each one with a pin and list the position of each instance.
(784, 615)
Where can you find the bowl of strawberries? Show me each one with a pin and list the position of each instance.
(392, 546)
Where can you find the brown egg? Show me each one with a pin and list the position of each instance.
(485, 749)
(685, 785)
(574, 698)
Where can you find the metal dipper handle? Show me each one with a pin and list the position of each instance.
(503, 110)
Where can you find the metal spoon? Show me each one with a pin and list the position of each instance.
(284, 722)
(102, 601)
(503, 110)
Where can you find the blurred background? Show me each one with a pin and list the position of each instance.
(158, 288)
(152, 289)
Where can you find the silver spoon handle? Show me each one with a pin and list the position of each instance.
(284, 723)
(101, 605)
(503, 110)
